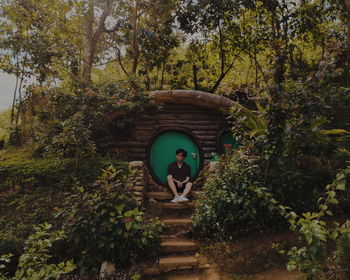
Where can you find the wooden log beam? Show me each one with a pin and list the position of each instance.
(130, 143)
(181, 122)
(195, 97)
(185, 97)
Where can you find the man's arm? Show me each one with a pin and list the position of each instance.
(170, 172)
(187, 175)
(186, 180)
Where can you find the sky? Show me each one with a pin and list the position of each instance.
(7, 85)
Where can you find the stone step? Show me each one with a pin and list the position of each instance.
(177, 226)
(196, 193)
(169, 195)
(185, 236)
(180, 222)
(181, 205)
(183, 277)
(178, 262)
(174, 245)
(160, 195)
(171, 263)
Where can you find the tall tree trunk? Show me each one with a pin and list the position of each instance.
(195, 79)
(347, 5)
(280, 55)
(89, 44)
(92, 37)
(15, 94)
(162, 75)
(135, 46)
(19, 98)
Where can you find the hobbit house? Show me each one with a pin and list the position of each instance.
(192, 120)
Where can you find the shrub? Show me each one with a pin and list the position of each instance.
(26, 171)
(103, 223)
(34, 262)
(342, 252)
(228, 206)
(69, 119)
(291, 145)
(9, 244)
(315, 233)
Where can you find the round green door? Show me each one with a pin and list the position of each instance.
(227, 140)
(163, 152)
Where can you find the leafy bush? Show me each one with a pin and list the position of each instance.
(228, 206)
(9, 244)
(5, 116)
(342, 252)
(72, 119)
(34, 262)
(316, 234)
(103, 223)
(49, 172)
(293, 144)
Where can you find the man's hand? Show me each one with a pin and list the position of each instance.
(179, 184)
(185, 181)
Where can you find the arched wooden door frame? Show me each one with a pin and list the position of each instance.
(176, 129)
(218, 139)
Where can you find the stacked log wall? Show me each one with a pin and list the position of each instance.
(204, 123)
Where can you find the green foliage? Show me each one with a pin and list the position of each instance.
(316, 235)
(228, 205)
(103, 223)
(34, 262)
(289, 147)
(48, 39)
(4, 127)
(9, 244)
(20, 168)
(75, 138)
(342, 252)
(73, 121)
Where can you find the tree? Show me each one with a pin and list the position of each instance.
(214, 31)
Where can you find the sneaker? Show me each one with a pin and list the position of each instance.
(175, 199)
(182, 198)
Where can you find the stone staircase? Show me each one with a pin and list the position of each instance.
(179, 257)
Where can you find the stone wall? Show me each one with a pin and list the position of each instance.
(138, 179)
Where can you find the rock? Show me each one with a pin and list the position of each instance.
(160, 188)
(138, 193)
(107, 269)
(151, 181)
(117, 185)
(138, 188)
(135, 164)
(213, 166)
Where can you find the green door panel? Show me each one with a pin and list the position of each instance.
(227, 138)
(163, 150)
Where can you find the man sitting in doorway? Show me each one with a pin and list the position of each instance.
(178, 178)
